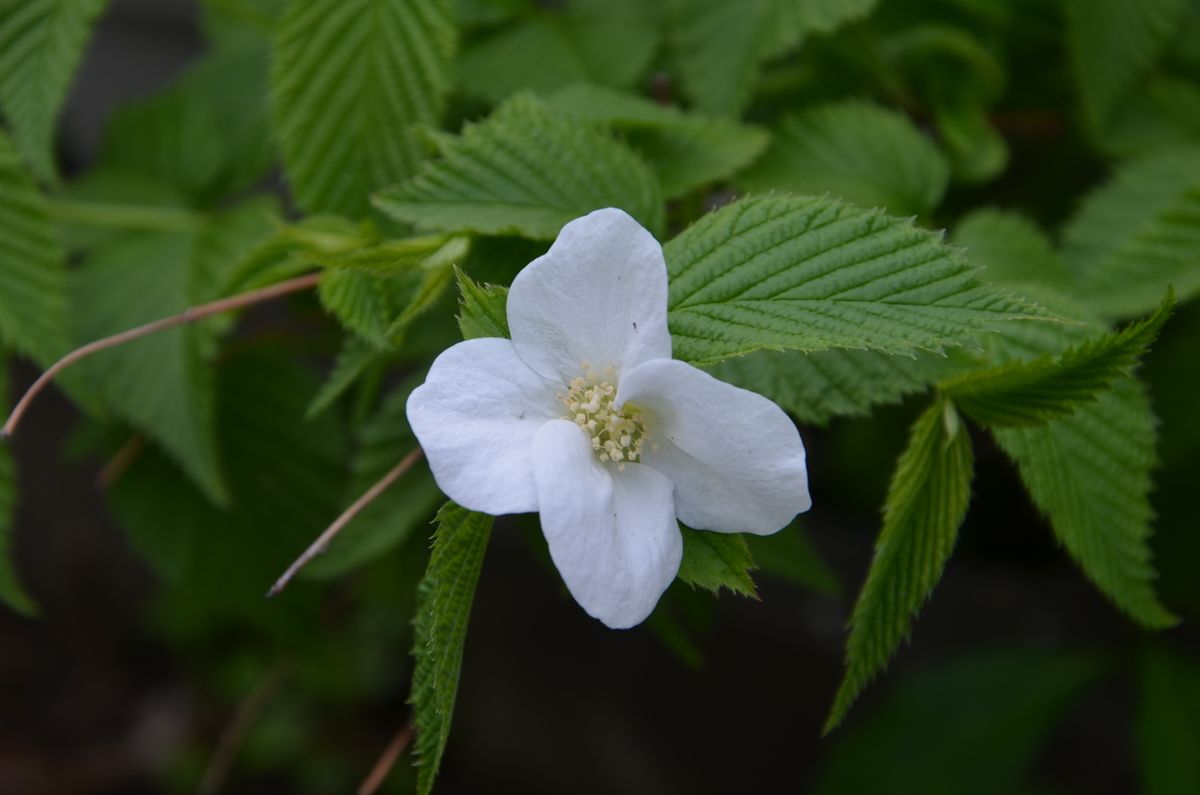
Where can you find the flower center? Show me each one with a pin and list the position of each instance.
(617, 434)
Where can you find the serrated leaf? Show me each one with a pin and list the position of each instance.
(12, 594)
(811, 273)
(353, 361)
(1036, 391)
(686, 150)
(717, 560)
(816, 387)
(482, 308)
(41, 43)
(162, 383)
(444, 607)
(1011, 248)
(32, 270)
(1138, 234)
(976, 724)
(1113, 43)
(858, 151)
(526, 170)
(1168, 723)
(610, 42)
(926, 503)
(349, 80)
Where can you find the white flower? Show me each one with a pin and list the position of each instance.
(584, 417)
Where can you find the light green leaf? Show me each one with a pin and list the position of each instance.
(1036, 391)
(1113, 43)
(349, 80)
(483, 309)
(610, 42)
(1011, 248)
(1168, 723)
(11, 593)
(1164, 113)
(525, 170)
(816, 387)
(926, 503)
(977, 151)
(1138, 234)
(717, 560)
(858, 151)
(686, 150)
(976, 724)
(32, 271)
(811, 273)
(41, 43)
(444, 607)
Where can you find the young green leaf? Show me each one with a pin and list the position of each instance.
(811, 273)
(41, 42)
(33, 301)
(444, 607)
(858, 151)
(1168, 723)
(926, 503)
(1036, 391)
(525, 170)
(717, 560)
(1011, 248)
(349, 80)
(1137, 234)
(11, 592)
(483, 308)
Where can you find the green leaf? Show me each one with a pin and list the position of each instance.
(1011, 248)
(1036, 391)
(857, 151)
(686, 150)
(719, 47)
(816, 387)
(483, 308)
(811, 273)
(41, 43)
(1138, 234)
(392, 518)
(1113, 43)
(162, 384)
(32, 272)
(977, 151)
(1168, 724)
(355, 360)
(976, 724)
(349, 80)
(926, 503)
(525, 170)
(717, 560)
(445, 596)
(12, 594)
(789, 555)
(610, 42)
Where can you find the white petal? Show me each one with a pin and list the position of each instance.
(735, 458)
(598, 295)
(612, 535)
(476, 416)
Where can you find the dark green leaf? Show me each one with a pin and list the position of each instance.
(1168, 723)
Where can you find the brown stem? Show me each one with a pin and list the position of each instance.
(318, 546)
(189, 315)
(388, 759)
(119, 464)
(236, 730)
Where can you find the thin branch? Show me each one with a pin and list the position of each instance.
(388, 759)
(119, 464)
(189, 315)
(236, 730)
(322, 542)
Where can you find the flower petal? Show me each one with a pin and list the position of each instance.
(598, 295)
(612, 534)
(476, 416)
(735, 458)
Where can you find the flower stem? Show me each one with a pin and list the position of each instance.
(189, 315)
(387, 760)
(319, 546)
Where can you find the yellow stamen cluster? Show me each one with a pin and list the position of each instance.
(617, 434)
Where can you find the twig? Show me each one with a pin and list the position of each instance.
(189, 315)
(318, 546)
(388, 759)
(236, 730)
(121, 461)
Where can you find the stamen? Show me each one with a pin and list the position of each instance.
(616, 434)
